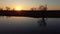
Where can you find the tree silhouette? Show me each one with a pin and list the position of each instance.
(13, 9)
(33, 9)
(1, 8)
(43, 7)
(7, 8)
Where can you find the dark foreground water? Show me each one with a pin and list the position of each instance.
(27, 25)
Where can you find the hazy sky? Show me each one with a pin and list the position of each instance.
(27, 4)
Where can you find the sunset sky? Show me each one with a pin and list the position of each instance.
(27, 4)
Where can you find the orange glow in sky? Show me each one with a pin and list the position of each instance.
(18, 8)
(28, 4)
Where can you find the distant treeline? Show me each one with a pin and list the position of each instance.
(42, 7)
(36, 14)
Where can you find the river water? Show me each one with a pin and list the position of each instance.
(16, 25)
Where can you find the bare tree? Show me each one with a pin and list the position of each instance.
(13, 9)
(43, 7)
(32, 8)
(7, 8)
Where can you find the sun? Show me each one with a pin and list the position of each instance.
(18, 8)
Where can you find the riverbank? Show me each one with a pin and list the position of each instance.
(35, 14)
